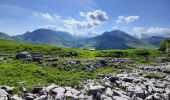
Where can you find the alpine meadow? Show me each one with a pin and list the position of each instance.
(84, 50)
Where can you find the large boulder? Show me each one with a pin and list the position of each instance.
(58, 90)
(58, 93)
(23, 55)
(60, 96)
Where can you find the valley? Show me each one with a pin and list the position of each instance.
(84, 50)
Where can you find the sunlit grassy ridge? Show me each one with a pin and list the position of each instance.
(12, 47)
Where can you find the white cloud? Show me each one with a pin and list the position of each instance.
(47, 16)
(158, 30)
(127, 19)
(115, 27)
(82, 14)
(138, 29)
(53, 27)
(92, 20)
(89, 22)
(63, 29)
(151, 30)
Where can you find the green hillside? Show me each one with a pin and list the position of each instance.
(13, 47)
(14, 71)
(108, 40)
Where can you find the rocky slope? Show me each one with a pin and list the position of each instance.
(128, 85)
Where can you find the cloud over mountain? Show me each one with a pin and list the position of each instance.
(151, 30)
(92, 20)
(44, 15)
(127, 19)
(158, 30)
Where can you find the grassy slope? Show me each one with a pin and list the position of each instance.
(13, 72)
(37, 75)
(12, 47)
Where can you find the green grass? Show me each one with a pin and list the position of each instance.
(12, 47)
(34, 74)
(153, 75)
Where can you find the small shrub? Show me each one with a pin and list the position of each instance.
(152, 75)
(143, 53)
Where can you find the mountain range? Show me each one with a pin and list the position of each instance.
(47, 36)
(108, 40)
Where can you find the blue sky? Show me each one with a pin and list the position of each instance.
(85, 17)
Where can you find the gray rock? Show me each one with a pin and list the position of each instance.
(167, 95)
(16, 97)
(81, 97)
(119, 98)
(75, 92)
(104, 97)
(157, 96)
(109, 92)
(149, 97)
(43, 97)
(58, 90)
(140, 94)
(128, 79)
(37, 90)
(106, 84)
(88, 97)
(52, 86)
(8, 89)
(29, 96)
(93, 90)
(118, 94)
(3, 95)
(114, 79)
(60, 96)
(136, 81)
(100, 87)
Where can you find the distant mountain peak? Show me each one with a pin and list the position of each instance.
(115, 39)
(4, 36)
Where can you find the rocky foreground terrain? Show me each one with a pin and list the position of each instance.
(128, 85)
